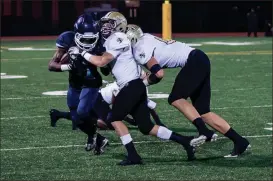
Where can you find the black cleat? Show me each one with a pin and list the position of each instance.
(128, 162)
(101, 144)
(239, 149)
(53, 117)
(190, 153)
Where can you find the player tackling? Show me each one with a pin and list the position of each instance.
(132, 98)
(193, 81)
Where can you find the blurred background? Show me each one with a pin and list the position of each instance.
(51, 17)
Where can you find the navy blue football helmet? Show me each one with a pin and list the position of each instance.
(86, 32)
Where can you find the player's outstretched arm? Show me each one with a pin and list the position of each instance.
(55, 63)
(99, 61)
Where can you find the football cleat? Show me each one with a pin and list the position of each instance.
(190, 153)
(211, 136)
(239, 149)
(129, 161)
(90, 145)
(195, 142)
(101, 144)
(53, 117)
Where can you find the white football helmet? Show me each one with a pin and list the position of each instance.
(112, 22)
(133, 33)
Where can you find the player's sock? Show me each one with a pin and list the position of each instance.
(166, 134)
(65, 115)
(156, 118)
(127, 141)
(201, 127)
(233, 135)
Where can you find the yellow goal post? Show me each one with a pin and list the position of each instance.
(167, 20)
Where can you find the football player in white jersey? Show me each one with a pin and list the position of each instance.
(132, 98)
(105, 99)
(193, 81)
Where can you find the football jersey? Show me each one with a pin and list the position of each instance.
(65, 41)
(124, 67)
(169, 54)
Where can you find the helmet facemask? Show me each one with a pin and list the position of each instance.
(108, 27)
(112, 22)
(86, 41)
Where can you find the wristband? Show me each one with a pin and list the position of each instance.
(66, 67)
(86, 55)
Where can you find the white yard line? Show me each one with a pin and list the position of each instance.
(137, 142)
(170, 110)
(29, 98)
(23, 117)
(58, 96)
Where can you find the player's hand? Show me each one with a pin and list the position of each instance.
(74, 52)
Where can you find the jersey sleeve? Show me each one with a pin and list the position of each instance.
(65, 40)
(143, 53)
(117, 43)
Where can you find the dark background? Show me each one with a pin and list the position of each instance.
(51, 17)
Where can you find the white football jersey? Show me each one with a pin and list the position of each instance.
(123, 67)
(108, 91)
(169, 54)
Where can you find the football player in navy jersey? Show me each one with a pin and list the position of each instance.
(84, 79)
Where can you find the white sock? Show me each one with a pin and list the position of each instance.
(164, 133)
(126, 139)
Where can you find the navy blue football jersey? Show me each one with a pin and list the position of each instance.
(65, 41)
(88, 78)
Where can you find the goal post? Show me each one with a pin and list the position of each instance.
(167, 20)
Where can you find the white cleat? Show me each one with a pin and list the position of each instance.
(214, 138)
(195, 142)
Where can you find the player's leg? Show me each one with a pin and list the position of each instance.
(201, 101)
(102, 110)
(124, 103)
(87, 118)
(186, 83)
(141, 114)
(72, 103)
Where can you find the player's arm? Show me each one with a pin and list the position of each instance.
(145, 56)
(114, 47)
(99, 61)
(55, 63)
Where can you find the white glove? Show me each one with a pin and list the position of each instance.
(74, 52)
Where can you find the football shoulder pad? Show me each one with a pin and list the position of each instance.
(66, 40)
(117, 41)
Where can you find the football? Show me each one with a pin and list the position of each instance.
(65, 58)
